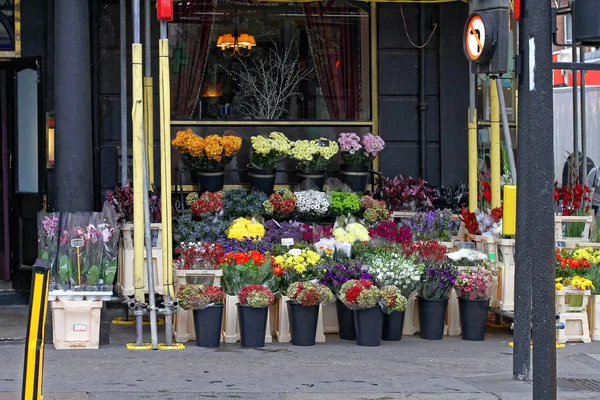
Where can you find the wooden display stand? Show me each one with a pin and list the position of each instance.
(572, 242)
(184, 319)
(575, 318)
(505, 291)
(76, 324)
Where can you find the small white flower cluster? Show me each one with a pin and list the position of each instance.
(396, 270)
(467, 254)
(312, 203)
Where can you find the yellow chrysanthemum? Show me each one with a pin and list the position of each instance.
(559, 286)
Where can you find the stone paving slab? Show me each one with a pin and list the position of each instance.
(13, 326)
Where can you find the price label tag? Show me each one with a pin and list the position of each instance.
(561, 244)
(77, 242)
(467, 245)
(324, 143)
(287, 241)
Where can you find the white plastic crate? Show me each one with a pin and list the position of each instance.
(76, 324)
(127, 236)
(125, 282)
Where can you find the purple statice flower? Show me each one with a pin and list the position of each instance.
(339, 273)
(372, 144)
(349, 143)
(437, 281)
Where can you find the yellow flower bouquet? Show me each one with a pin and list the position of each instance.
(210, 153)
(243, 228)
(314, 155)
(267, 151)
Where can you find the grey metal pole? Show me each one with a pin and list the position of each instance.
(422, 105)
(575, 103)
(506, 131)
(583, 121)
(123, 56)
(147, 40)
(535, 226)
(136, 21)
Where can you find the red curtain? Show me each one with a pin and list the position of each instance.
(334, 37)
(190, 41)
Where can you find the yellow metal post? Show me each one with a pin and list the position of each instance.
(495, 145)
(137, 118)
(33, 369)
(473, 159)
(509, 211)
(149, 126)
(165, 164)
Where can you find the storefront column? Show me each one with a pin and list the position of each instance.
(72, 98)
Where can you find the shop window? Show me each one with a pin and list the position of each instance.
(295, 61)
(27, 131)
(7, 20)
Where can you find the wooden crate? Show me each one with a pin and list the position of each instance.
(76, 324)
(560, 220)
(593, 311)
(184, 319)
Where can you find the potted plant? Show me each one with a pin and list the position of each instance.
(281, 203)
(253, 310)
(313, 158)
(208, 155)
(267, 152)
(205, 301)
(312, 204)
(336, 274)
(363, 297)
(357, 156)
(393, 305)
(303, 310)
(474, 287)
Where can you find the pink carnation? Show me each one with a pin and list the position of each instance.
(373, 144)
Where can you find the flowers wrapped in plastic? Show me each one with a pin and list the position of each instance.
(110, 235)
(309, 293)
(256, 296)
(313, 155)
(391, 268)
(211, 153)
(198, 297)
(199, 256)
(392, 300)
(476, 283)
(267, 151)
(359, 294)
(468, 257)
(48, 233)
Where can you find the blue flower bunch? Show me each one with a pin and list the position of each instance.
(437, 281)
(432, 225)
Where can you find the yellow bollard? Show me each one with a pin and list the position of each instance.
(509, 211)
(149, 127)
(495, 144)
(33, 369)
(472, 159)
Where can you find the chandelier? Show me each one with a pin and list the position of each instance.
(236, 44)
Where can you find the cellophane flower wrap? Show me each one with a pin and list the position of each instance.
(246, 268)
(94, 242)
(437, 281)
(357, 151)
(210, 153)
(299, 265)
(281, 203)
(110, 235)
(267, 151)
(198, 296)
(206, 205)
(468, 258)
(310, 293)
(432, 225)
(374, 210)
(256, 296)
(392, 268)
(243, 228)
(392, 300)
(476, 283)
(313, 155)
(338, 273)
(359, 294)
(48, 232)
(312, 204)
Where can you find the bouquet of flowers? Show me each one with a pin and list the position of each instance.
(267, 151)
(437, 281)
(568, 265)
(240, 203)
(281, 203)
(374, 210)
(390, 268)
(392, 300)
(206, 205)
(351, 233)
(360, 152)
(199, 256)
(312, 204)
(575, 201)
(337, 273)
(477, 283)
(359, 294)
(392, 232)
(313, 155)
(211, 153)
(587, 253)
(468, 258)
(48, 240)
(245, 268)
(198, 297)
(243, 228)
(481, 222)
(343, 203)
(429, 252)
(110, 239)
(256, 296)
(280, 230)
(432, 225)
(309, 293)
(574, 283)
(299, 264)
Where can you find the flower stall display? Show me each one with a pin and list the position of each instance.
(336, 274)
(253, 312)
(391, 268)
(578, 284)
(436, 285)
(393, 304)
(298, 265)
(374, 211)
(363, 297)
(208, 155)
(241, 269)
(206, 205)
(48, 242)
(243, 228)
(312, 204)
(474, 287)
(407, 194)
(351, 233)
(276, 231)
(344, 203)
(281, 204)
(432, 225)
(313, 158)
(569, 265)
(303, 310)
(468, 258)
(239, 203)
(452, 198)
(267, 152)
(357, 156)
(429, 252)
(186, 229)
(205, 301)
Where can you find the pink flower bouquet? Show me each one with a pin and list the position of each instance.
(477, 283)
(357, 151)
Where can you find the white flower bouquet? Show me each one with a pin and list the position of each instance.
(312, 204)
(390, 268)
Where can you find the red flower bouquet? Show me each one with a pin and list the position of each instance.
(245, 268)
(309, 293)
(197, 297)
(430, 252)
(208, 204)
(199, 256)
(360, 294)
(568, 265)
(256, 296)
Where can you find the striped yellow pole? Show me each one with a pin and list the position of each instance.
(137, 119)
(165, 164)
(33, 369)
(495, 145)
(149, 126)
(473, 189)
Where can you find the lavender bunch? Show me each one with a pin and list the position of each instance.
(277, 231)
(339, 273)
(437, 282)
(432, 225)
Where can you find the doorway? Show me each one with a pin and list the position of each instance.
(22, 167)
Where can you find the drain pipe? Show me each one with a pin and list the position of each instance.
(506, 131)
(583, 121)
(123, 62)
(422, 105)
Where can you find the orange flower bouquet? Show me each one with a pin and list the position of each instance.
(210, 153)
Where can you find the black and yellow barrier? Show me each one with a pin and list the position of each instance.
(34, 347)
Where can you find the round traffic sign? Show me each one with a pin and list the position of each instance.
(477, 43)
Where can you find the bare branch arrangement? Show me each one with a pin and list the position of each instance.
(269, 82)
